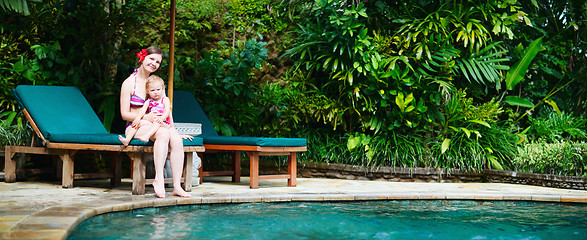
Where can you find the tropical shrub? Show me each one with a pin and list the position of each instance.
(555, 127)
(13, 131)
(560, 158)
(228, 90)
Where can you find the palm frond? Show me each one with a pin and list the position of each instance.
(19, 6)
(485, 66)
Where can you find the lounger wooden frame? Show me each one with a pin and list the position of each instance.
(66, 152)
(254, 152)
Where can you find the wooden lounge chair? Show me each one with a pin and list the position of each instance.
(66, 124)
(187, 109)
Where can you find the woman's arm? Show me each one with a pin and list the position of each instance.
(125, 93)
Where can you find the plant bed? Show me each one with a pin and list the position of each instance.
(397, 174)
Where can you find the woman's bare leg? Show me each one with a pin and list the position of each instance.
(176, 160)
(160, 149)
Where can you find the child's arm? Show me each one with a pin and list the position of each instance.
(140, 114)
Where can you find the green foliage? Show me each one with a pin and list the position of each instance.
(518, 71)
(229, 90)
(13, 131)
(560, 66)
(555, 127)
(484, 66)
(249, 16)
(19, 6)
(348, 80)
(465, 136)
(324, 146)
(560, 158)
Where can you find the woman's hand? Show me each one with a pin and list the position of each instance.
(188, 137)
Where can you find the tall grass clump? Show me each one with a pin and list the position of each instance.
(562, 158)
(13, 131)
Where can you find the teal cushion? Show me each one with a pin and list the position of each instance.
(111, 139)
(186, 109)
(255, 141)
(59, 110)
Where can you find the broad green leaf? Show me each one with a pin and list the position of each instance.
(466, 131)
(518, 101)
(518, 71)
(494, 163)
(553, 105)
(353, 142)
(374, 62)
(399, 100)
(445, 145)
(10, 117)
(480, 122)
(409, 98)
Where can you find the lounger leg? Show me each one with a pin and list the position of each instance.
(254, 171)
(57, 163)
(9, 166)
(236, 166)
(116, 168)
(187, 171)
(67, 173)
(201, 169)
(292, 169)
(138, 171)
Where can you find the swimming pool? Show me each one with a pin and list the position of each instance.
(427, 219)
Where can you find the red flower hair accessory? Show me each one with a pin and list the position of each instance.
(142, 54)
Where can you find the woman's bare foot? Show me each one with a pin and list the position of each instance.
(159, 187)
(124, 140)
(180, 192)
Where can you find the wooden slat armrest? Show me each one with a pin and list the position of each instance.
(34, 125)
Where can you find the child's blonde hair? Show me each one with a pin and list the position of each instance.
(154, 79)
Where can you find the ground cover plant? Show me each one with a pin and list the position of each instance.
(443, 84)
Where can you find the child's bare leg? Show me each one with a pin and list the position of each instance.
(129, 134)
(152, 129)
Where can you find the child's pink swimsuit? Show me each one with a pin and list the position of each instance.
(159, 107)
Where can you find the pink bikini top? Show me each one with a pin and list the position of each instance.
(136, 101)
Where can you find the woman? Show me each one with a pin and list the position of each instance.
(132, 97)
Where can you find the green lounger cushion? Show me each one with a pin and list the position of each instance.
(111, 139)
(187, 109)
(59, 110)
(63, 115)
(255, 141)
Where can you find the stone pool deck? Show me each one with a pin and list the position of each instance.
(38, 210)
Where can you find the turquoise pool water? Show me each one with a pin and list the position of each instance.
(344, 220)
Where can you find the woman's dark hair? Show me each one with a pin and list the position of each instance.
(154, 50)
